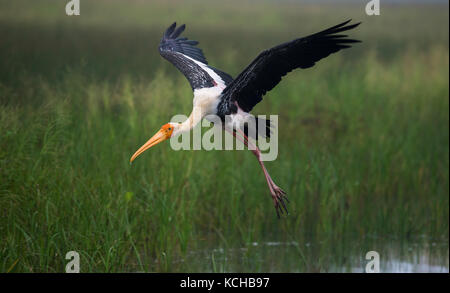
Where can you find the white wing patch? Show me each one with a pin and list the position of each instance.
(219, 81)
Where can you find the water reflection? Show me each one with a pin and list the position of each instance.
(321, 256)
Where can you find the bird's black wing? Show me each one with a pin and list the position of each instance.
(266, 71)
(190, 60)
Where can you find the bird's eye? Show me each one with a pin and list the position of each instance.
(170, 128)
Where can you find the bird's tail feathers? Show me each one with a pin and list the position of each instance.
(258, 127)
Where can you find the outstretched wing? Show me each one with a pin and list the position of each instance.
(190, 60)
(266, 71)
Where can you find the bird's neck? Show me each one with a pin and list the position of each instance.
(195, 117)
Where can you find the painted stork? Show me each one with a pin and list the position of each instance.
(216, 92)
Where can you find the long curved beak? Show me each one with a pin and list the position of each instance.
(160, 136)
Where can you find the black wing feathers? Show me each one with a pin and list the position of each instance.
(266, 71)
(170, 42)
(179, 51)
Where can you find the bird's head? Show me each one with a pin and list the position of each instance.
(167, 131)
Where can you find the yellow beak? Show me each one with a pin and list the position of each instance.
(160, 136)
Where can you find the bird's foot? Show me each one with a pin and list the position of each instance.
(279, 200)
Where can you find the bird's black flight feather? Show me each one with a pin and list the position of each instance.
(175, 49)
(266, 71)
(172, 43)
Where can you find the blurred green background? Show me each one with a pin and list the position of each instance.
(363, 141)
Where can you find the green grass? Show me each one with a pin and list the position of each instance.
(364, 139)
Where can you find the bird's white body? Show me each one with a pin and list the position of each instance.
(206, 101)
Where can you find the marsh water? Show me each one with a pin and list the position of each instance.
(420, 255)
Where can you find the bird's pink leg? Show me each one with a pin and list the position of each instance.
(278, 194)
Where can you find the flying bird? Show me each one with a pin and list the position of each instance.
(216, 92)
